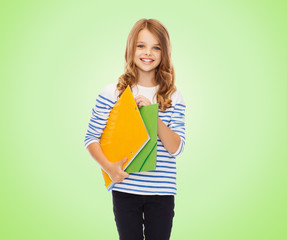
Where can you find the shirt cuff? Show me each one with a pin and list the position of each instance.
(179, 150)
(87, 144)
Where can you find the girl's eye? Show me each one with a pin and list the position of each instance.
(140, 46)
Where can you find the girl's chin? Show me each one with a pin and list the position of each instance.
(146, 69)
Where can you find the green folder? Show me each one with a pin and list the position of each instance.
(146, 158)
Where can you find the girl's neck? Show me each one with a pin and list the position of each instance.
(146, 79)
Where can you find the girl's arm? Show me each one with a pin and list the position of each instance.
(172, 137)
(169, 138)
(99, 117)
(114, 170)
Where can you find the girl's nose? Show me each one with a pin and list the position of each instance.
(147, 52)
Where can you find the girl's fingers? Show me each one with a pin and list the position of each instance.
(141, 101)
(122, 176)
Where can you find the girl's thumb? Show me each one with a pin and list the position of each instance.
(123, 161)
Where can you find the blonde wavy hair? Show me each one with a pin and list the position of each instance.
(164, 75)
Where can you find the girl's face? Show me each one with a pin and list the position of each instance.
(148, 52)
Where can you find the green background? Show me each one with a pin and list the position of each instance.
(230, 65)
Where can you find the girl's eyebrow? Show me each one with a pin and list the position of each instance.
(144, 42)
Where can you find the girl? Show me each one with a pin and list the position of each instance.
(144, 198)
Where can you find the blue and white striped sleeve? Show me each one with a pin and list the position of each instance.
(177, 122)
(99, 116)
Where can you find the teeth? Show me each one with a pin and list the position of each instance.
(146, 60)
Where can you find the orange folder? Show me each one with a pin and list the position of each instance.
(125, 133)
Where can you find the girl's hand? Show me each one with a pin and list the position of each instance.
(115, 171)
(142, 101)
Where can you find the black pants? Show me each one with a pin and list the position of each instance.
(132, 212)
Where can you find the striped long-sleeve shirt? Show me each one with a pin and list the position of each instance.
(161, 181)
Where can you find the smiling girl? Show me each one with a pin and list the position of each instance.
(143, 202)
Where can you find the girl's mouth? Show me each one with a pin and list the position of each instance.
(146, 60)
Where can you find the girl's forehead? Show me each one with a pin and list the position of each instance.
(146, 36)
